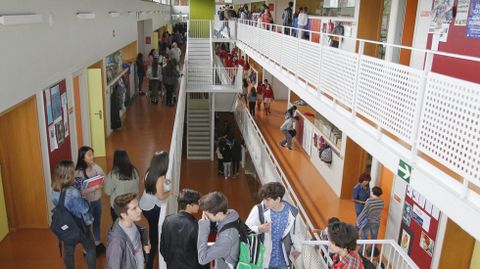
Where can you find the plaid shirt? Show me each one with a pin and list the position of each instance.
(351, 261)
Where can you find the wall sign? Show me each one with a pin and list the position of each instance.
(473, 20)
(462, 12)
(404, 171)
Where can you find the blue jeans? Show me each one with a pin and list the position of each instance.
(96, 211)
(372, 229)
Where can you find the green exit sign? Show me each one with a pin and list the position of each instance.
(404, 171)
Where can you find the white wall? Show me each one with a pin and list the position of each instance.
(38, 55)
(280, 90)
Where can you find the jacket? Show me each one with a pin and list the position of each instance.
(178, 243)
(120, 250)
(75, 204)
(226, 249)
(287, 125)
(290, 237)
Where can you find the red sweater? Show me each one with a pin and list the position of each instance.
(268, 92)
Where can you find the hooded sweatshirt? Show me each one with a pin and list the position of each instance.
(226, 249)
(120, 250)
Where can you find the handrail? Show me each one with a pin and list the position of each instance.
(361, 40)
(374, 243)
(278, 168)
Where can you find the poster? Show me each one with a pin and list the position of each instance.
(52, 135)
(407, 213)
(421, 217)
(444, 32)
(56, 103)
(427, 244)
(65, 113)
(405, 239)
(48, 104)
(473, 20)
(60, 130)
(113, 65)
(462, 12)
(442, 12)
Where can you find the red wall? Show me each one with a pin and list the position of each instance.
(458, 43)
(63, 152)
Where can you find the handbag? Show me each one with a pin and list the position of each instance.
(326, 154)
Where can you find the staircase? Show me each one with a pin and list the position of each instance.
(200, 61)
(199, 127)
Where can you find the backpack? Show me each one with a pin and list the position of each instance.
(326, 154)
(65, 226)
(251, 248)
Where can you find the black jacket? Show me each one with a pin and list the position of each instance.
(178, 243)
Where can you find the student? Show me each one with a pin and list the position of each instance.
(236, 157)
(178, 243)
(140, 67)
(361, 192)
(374, 254)
(287, 18)
(125, 247)
(290, 113)
(62, 181)
(122, 179)
(372, 212)
(287, 128)
(154, 74)
(280, 226)
(226, 249)
(86, 168)
(154, 196)
(342, 239)
(226, 151)
(267, 97)
(170, 79)
(323, 234)
(252, 99)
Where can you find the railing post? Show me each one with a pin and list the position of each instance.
(357, 76)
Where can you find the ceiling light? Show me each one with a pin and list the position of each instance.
(20, 19)
(114, 13)
(86, 15)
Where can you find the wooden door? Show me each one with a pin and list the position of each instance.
(354, 165)
(22, 167)
(78, 110)
(97, 117)
(3, 211)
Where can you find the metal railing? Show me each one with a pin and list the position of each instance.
(207, 75)
(390, 254)
(199, 29)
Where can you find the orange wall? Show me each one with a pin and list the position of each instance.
(78, 110)
(408, 29)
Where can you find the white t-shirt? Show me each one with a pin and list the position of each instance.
(149, 201)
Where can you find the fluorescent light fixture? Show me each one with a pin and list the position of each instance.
(86, 15)
(20, 19)
(114, 13)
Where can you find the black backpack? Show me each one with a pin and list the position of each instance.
(65, 226)
(367, 264)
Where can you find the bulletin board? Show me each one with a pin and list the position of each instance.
(418, 231)
(57, 123)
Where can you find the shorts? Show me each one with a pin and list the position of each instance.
(267, 100)
(259, 97)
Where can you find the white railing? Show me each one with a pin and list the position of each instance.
(246, 124)
(199, 29)
(427, 112)
(207, 75)
(389, 254)
(224, 29)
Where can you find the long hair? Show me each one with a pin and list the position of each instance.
(158, 168)
(81, 164)
(63, 175)
(122, 164)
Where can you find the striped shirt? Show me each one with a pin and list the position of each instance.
(373, 209)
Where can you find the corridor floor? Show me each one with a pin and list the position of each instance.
(318, 198)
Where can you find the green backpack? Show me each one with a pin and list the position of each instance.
(251, 247)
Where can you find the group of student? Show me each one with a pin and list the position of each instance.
(163, 70)
(229, 155)
(129, 245)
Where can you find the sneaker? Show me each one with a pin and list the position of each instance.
(226, 178)
(289, 148)
(282, 145)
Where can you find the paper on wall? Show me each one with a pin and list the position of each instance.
(428, 207)
(425, 218)
(53, 137)
(435, 212)
(65, 114)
